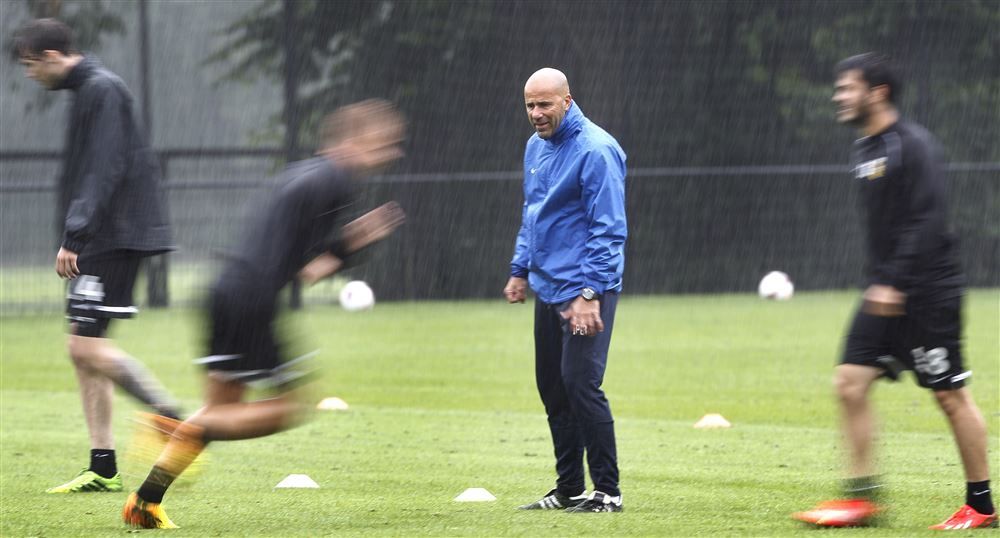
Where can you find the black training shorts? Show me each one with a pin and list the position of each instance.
(241, 343)
(102, 292)
(927, 340)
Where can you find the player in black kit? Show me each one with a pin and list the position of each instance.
(910, 317)
(291, 237)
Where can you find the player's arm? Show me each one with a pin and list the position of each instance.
(919, 212)
(355, 236)
(105, 165)
(602, 182)
(369, 228)
(320, 267)
(603, 188)
(516, 290)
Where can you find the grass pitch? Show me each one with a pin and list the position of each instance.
(442, 398)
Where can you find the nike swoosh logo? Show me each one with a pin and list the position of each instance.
(980, 492)
(938, 380)
(533, 170)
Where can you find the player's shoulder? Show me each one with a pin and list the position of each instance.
(593, 138)
(97, 75)
(916, 137)
(919, 146)
(595, 142)
(314, 178)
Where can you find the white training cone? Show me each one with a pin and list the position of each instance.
(712, 421)
(475, 495)
(297, 481)
(332, 404)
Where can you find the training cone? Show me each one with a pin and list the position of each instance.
(332, 404)
(297, 481)
(712, 421)
(475, 495)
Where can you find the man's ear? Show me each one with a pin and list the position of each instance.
(881, 93)
(51, 55)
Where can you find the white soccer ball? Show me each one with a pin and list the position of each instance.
(356, 295)
(776, 285)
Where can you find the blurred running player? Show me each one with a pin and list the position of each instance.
(290, 238)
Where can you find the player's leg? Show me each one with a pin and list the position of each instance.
(567, 439)
(853, 384)
(969, 429)
(97, 397)
(102, 356)
(230, 419)
(143, 508)
(867, 357)
(934, 343)
(584, 362)
(103, 291)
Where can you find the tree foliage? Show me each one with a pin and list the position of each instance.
(680, 82)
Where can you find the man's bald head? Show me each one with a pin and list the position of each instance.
(547, 98)
(548, 79)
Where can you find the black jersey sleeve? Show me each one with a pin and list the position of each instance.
(919, 209)
(104, 164)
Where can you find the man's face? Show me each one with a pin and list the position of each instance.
(45, 69)
(546, 109)
(378, 146)
(852, 96)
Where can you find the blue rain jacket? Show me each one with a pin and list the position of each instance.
(573, 227)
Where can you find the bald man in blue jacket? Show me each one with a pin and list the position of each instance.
(571, 251)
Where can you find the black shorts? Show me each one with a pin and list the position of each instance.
(242, 345)
(927, 340)
(102, 292)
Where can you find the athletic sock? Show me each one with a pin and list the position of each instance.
(863, 487)
(978, 496)
(102, 462)
(186, 442)
(155, 486)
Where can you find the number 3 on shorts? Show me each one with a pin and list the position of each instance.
(933, 362)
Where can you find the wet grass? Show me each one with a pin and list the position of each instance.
(442, 398)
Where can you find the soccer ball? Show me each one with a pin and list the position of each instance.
(356, 295)
(776, 285)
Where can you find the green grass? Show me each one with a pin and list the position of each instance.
(442, 398)
(36, 289)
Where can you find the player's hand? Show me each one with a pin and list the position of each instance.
(584, 317)
(66, 266)
(373, 226)
(516, 290)
(885, 301)
(319, 268)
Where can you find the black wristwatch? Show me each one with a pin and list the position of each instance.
(588, 294)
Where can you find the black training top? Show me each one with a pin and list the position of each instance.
(904, 196)
(110, 192)
(296, 223)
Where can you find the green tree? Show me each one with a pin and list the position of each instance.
(350, 50)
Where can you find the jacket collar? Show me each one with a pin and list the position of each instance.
(571, 124)
(79, 74)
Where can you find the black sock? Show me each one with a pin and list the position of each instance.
(155, 486)
(102, 462)
(863, 487)
(977, 495)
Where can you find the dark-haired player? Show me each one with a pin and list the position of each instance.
(114, 215)
(910, 316)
